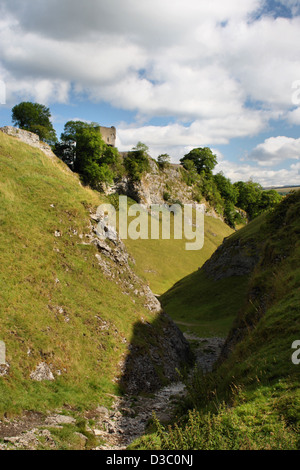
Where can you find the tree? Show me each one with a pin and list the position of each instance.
(163, 161)
(66, 148)
(35, 117)
(249, 197)
(83, 149)
(72, 127)
(227, 190)
(141, 147)
(203, 158)
(137, 162)
(269, 199)
(190, 175)
(89, 153)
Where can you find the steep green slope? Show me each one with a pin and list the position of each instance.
(251, 400)
(208, 308)
(58, 305)
(203, 308)
(164, 262)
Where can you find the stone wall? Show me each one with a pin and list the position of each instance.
(109, 135)
(28, 138)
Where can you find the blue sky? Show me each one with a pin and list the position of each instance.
(173, 74)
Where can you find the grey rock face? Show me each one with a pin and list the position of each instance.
(4, 369)
(58, 420)
(146, 371)
(231, 259)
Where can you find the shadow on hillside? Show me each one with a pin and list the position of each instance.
(156, 353)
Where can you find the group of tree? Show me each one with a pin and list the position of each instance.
(82, 148)
(224, 195)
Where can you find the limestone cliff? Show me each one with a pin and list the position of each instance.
(160, 187)
(28, 138)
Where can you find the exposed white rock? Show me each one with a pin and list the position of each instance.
(41, 373)
(59, 420)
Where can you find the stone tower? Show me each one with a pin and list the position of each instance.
(109, 135)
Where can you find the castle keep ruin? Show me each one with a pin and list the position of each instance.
(109, 135)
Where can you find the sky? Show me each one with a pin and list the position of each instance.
(173, 74)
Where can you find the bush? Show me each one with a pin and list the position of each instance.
(163, 161)
(137, 164)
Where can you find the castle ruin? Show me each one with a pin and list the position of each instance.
(109, 135)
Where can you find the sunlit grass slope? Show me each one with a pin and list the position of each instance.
(56, 306)
(203, 308)
(164, 262)
(206, 307)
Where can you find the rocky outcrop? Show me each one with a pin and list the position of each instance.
(232, 258)
(28, 138)
(235, 257)
(143, 369)
(115, 261)
(4, 369)
(42, 373)
(147, 371)
(159, 187)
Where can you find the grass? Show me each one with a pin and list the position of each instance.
(203, 307)
(162, 263)
(54, 298)
(206, 307)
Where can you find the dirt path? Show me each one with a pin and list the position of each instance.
(114, 429)
(131, 416)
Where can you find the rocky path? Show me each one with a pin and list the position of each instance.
(114, 429)
(131, 415)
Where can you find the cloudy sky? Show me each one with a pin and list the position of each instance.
(174, 74)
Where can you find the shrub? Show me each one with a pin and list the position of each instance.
(137, 164)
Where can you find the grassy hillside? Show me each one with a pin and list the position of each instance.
(252, 399)
(208, 308)
(203, 308)
(56, 305)
(164, 262)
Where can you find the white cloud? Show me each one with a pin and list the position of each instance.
(294, 116)
(198, 59)
(263, 176)
(276, 150)
(201, 64)
(176, 138)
